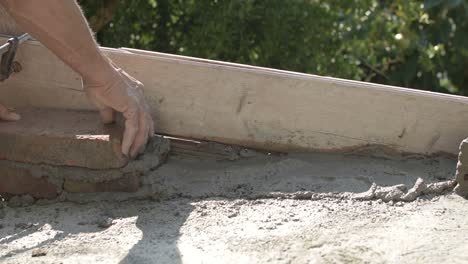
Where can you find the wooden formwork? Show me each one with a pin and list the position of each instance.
(256, 107)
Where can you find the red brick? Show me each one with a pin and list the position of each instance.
(128, 183)
(19, 181)
(61, 137)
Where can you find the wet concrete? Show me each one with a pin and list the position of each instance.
(295, 208)
(355, 175)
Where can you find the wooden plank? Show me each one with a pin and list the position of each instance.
(256, 107)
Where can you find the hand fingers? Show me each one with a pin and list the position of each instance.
(131, 128)
(150, 120)
(148, 115)
(129, 78)
(7, 115)
(145, 133)
(142, 135)
(142, 148)
(107, 115)
(151, 127)
(126, 96)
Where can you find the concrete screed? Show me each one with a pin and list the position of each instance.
(240, 206)
(462, 169)
(212, 211)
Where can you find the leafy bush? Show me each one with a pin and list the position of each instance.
(410, 43)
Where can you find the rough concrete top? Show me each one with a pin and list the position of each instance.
(62, 137)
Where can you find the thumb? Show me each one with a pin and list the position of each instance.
(7, 115)
(107, 115)
(106, 112)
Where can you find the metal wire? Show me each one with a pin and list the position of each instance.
(5, 47)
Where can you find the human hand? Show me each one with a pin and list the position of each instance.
(124, 94)
(7, 115)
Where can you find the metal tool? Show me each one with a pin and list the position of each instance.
(8, 52)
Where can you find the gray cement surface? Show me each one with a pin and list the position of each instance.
(298, 208)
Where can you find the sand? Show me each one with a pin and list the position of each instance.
(296, 208)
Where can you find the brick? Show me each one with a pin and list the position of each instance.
(62, 137)
(20, 181)
(128, 183)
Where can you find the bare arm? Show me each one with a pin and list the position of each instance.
(62, 28)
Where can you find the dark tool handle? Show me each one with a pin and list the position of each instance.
(8, 51)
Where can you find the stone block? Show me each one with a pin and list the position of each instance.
(62, 138)
(19, 181)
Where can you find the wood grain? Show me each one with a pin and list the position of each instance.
(256, 107)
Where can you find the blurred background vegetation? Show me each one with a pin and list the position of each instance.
(410, 43)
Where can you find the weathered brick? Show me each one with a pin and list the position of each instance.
(128, 183)
(20, 181)
(62, 137)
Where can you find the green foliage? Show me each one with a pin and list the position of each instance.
(418, 44)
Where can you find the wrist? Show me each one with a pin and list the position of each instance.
(100, 76)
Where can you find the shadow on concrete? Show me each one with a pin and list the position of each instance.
(183, 180)
(155, 225)
(160, 234)
(200, 179)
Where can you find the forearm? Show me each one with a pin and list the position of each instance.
(7, 24)
(62, 28)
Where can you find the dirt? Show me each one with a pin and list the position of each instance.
(218, 230)
(298, 208)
